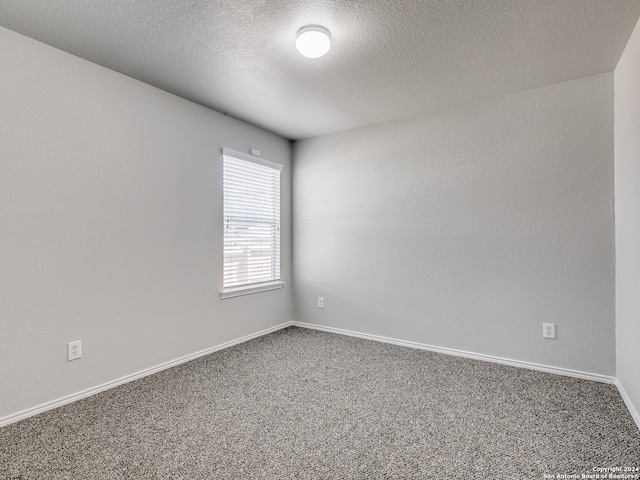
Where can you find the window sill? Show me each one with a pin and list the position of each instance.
(249, 289)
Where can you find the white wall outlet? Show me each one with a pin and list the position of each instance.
(549, 330)
(74, 350)
(320, 302)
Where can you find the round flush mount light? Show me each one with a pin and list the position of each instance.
(313, 41)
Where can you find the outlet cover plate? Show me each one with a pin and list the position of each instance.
(549, 330)
(74, 350)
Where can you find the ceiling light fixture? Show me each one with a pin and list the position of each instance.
(313, 41)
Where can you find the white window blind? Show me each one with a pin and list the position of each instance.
(251, 223)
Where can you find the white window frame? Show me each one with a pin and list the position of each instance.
(232, 182)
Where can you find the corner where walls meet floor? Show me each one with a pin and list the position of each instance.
(394, 341)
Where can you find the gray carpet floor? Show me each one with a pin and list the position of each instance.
(303, 404)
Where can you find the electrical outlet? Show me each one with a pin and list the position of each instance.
(320, 302)
(74, 350)
(549, 330)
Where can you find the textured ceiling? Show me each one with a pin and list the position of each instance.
(389, 59)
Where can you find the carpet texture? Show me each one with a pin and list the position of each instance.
(305, 404)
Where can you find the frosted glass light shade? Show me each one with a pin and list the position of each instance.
(313, 41)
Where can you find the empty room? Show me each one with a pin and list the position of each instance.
(271, 239)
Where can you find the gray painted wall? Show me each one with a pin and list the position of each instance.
(467, 229)
(110, 226)
(627, 183)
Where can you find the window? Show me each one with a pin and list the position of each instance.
(251, 187)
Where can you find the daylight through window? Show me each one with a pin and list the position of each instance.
(251, 224)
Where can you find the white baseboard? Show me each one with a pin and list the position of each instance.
(627, 400)
(461, 353)
(134, 376)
